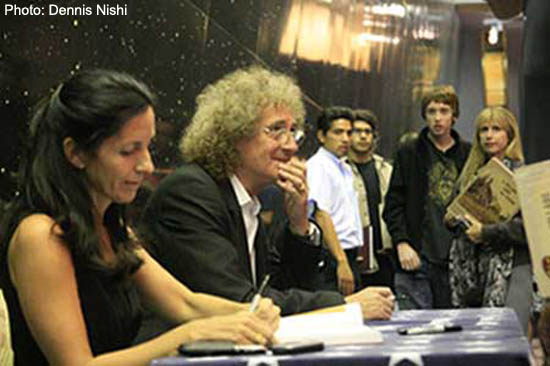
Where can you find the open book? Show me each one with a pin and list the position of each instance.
(341, 325)
(533, 182)
(490, 198)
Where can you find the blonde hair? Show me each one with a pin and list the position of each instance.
(477, 158)
(228, 111)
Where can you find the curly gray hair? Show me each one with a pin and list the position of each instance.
(228, 111)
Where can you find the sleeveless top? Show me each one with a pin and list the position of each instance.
(111, 310)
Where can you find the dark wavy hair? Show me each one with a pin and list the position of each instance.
(368, 116)
(89, 107)
(324, 122)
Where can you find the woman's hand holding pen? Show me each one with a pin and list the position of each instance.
(243, 327)
(264, 308)
(257, 324)
(268, 312)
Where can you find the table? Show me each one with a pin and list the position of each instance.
(490, 336)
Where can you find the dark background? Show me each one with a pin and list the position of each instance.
(348, 52)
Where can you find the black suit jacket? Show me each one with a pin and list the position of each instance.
(197, 233)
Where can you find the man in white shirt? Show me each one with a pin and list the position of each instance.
(330, 182)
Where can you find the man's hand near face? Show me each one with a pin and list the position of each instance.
(292, 180)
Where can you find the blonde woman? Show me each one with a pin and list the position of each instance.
(489, 264)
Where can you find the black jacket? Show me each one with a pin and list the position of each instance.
(405, 201)
(198, 234)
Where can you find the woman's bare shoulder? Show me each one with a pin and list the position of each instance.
(38, 251)
(34, 231)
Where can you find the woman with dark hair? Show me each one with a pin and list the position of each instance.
(72, 271)
(489, 264)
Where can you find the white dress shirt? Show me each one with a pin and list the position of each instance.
(250, 208)
(330, 182)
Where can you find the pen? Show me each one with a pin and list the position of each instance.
(431, 329)
(256, 299)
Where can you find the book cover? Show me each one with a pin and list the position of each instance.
(365, 257)
(533, 182)
(490, 198)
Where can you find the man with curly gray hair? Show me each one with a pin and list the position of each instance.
(204, 217)
(228, 111)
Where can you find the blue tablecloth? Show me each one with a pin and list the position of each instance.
(490, 336)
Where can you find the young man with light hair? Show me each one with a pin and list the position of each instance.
(424, 173)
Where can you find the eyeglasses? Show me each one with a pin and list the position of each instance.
(281, 134)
